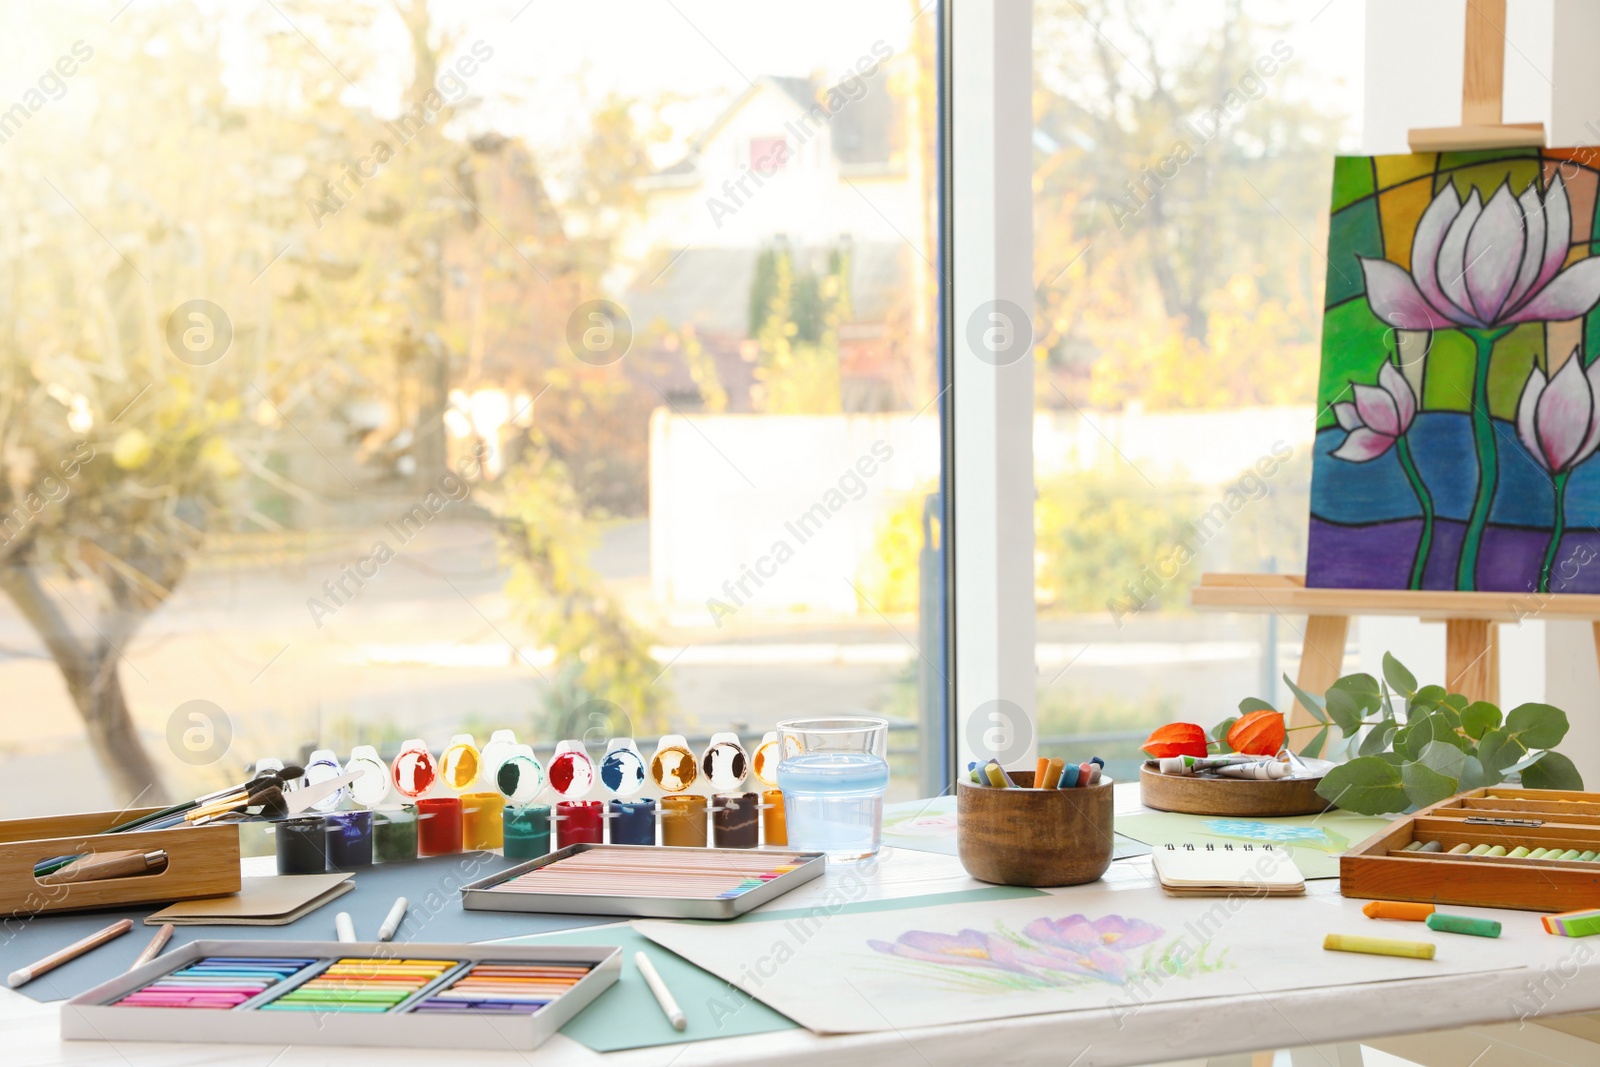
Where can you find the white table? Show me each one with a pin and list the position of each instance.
(1559, 980)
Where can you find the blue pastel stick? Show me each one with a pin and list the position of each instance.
(1069, 776)
(1097, 761)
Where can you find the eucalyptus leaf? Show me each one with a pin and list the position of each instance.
(1313, 747)
(1311, 703)
(1249, 704)
(1344, 711)
(1459, 702)
(1428, 697)
(1424, 785)
(1554, 771)
(1473, 776)
(1498, 750)
(1478, 718)
(1445, 758)
(1537, 725)
(1363, 689)
(1400, 680)
(1368, 784)
(1220, 731)
(1378, 739)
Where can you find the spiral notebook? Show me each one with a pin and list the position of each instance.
(1212, 870)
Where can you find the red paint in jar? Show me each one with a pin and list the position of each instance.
(438, 826)
(579, 822)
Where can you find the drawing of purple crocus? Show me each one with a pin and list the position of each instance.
(1558, 420)
(1483, 269)
(1379, 419)
(969, 948)
(1095, 947)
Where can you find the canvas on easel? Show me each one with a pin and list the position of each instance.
(1459, 398)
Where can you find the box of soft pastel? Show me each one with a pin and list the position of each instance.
(1492, 847)
(1016, 834)
(75, 863)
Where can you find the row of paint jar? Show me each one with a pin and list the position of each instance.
(510, 770)
(483, 821)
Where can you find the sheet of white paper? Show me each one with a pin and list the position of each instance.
(1089, 948)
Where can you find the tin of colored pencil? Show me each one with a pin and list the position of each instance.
(1378, 946)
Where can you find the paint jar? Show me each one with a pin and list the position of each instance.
(349, 840)
(571, 770)
(724, 762)
(633, 822)
(622, 770)
(458, 763)
(520, 776)
(733, 820)
(579, 822)
(495, 751)
(673, 767)
(774, 830)
(302, 846)
(764, 764)
(394, 834)
(323, 766)
(438, 826)
(371, 786)
(413, 769)
(527, 831)
(683, 821)
(481, 827)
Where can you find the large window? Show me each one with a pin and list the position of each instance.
(377, 371)
(1183, 154)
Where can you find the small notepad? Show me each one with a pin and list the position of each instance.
(1212, 870)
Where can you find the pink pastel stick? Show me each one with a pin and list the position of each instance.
(1086, 774)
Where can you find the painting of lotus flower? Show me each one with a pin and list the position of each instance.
(1459, 397)
(1048, 954)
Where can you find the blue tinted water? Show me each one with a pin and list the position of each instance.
(833, 802)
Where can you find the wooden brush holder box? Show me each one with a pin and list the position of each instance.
(1380, 868)
(202, 861)
(1034, 837)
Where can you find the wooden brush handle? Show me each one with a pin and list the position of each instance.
(104, 865)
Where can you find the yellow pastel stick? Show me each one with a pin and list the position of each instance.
(1378, 946)
(996, 776)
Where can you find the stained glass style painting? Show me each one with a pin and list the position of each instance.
(1459, 397)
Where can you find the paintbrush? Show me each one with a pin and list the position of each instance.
(287, 774)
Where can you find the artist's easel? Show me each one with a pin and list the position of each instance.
(1472, 661)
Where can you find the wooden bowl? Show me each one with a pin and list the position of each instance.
(1034, 837)
(1229, 796)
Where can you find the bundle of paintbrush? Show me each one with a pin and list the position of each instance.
(270, 795)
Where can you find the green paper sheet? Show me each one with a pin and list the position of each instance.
(627, 1016)
(1314, 841)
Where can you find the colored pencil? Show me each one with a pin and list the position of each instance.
(23, 975)
(157, 943)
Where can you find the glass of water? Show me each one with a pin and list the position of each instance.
(833, 775)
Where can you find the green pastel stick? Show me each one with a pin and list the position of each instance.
(1478, 850)
(1459, 850)
(1461, 924)
(1538, 854)
(1587, 856)
(1498, 850)
(1432, 846)
(1415, 846)
(1570, 854)
(1518, 852)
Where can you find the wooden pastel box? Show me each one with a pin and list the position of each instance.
(1380, 868)
(96, 1015)
(202, 861)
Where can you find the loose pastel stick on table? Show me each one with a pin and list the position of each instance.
(1461, 924)
(1378, 946)
(1397, 909)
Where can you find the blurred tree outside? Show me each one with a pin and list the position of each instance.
(1163, 274)
(795, 314)
(358, 269)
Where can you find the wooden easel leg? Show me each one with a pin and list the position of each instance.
(1321, 663)
(1472, 659)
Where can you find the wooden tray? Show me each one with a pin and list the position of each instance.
(202, 861)
(1378, 868)
(1229, 796)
